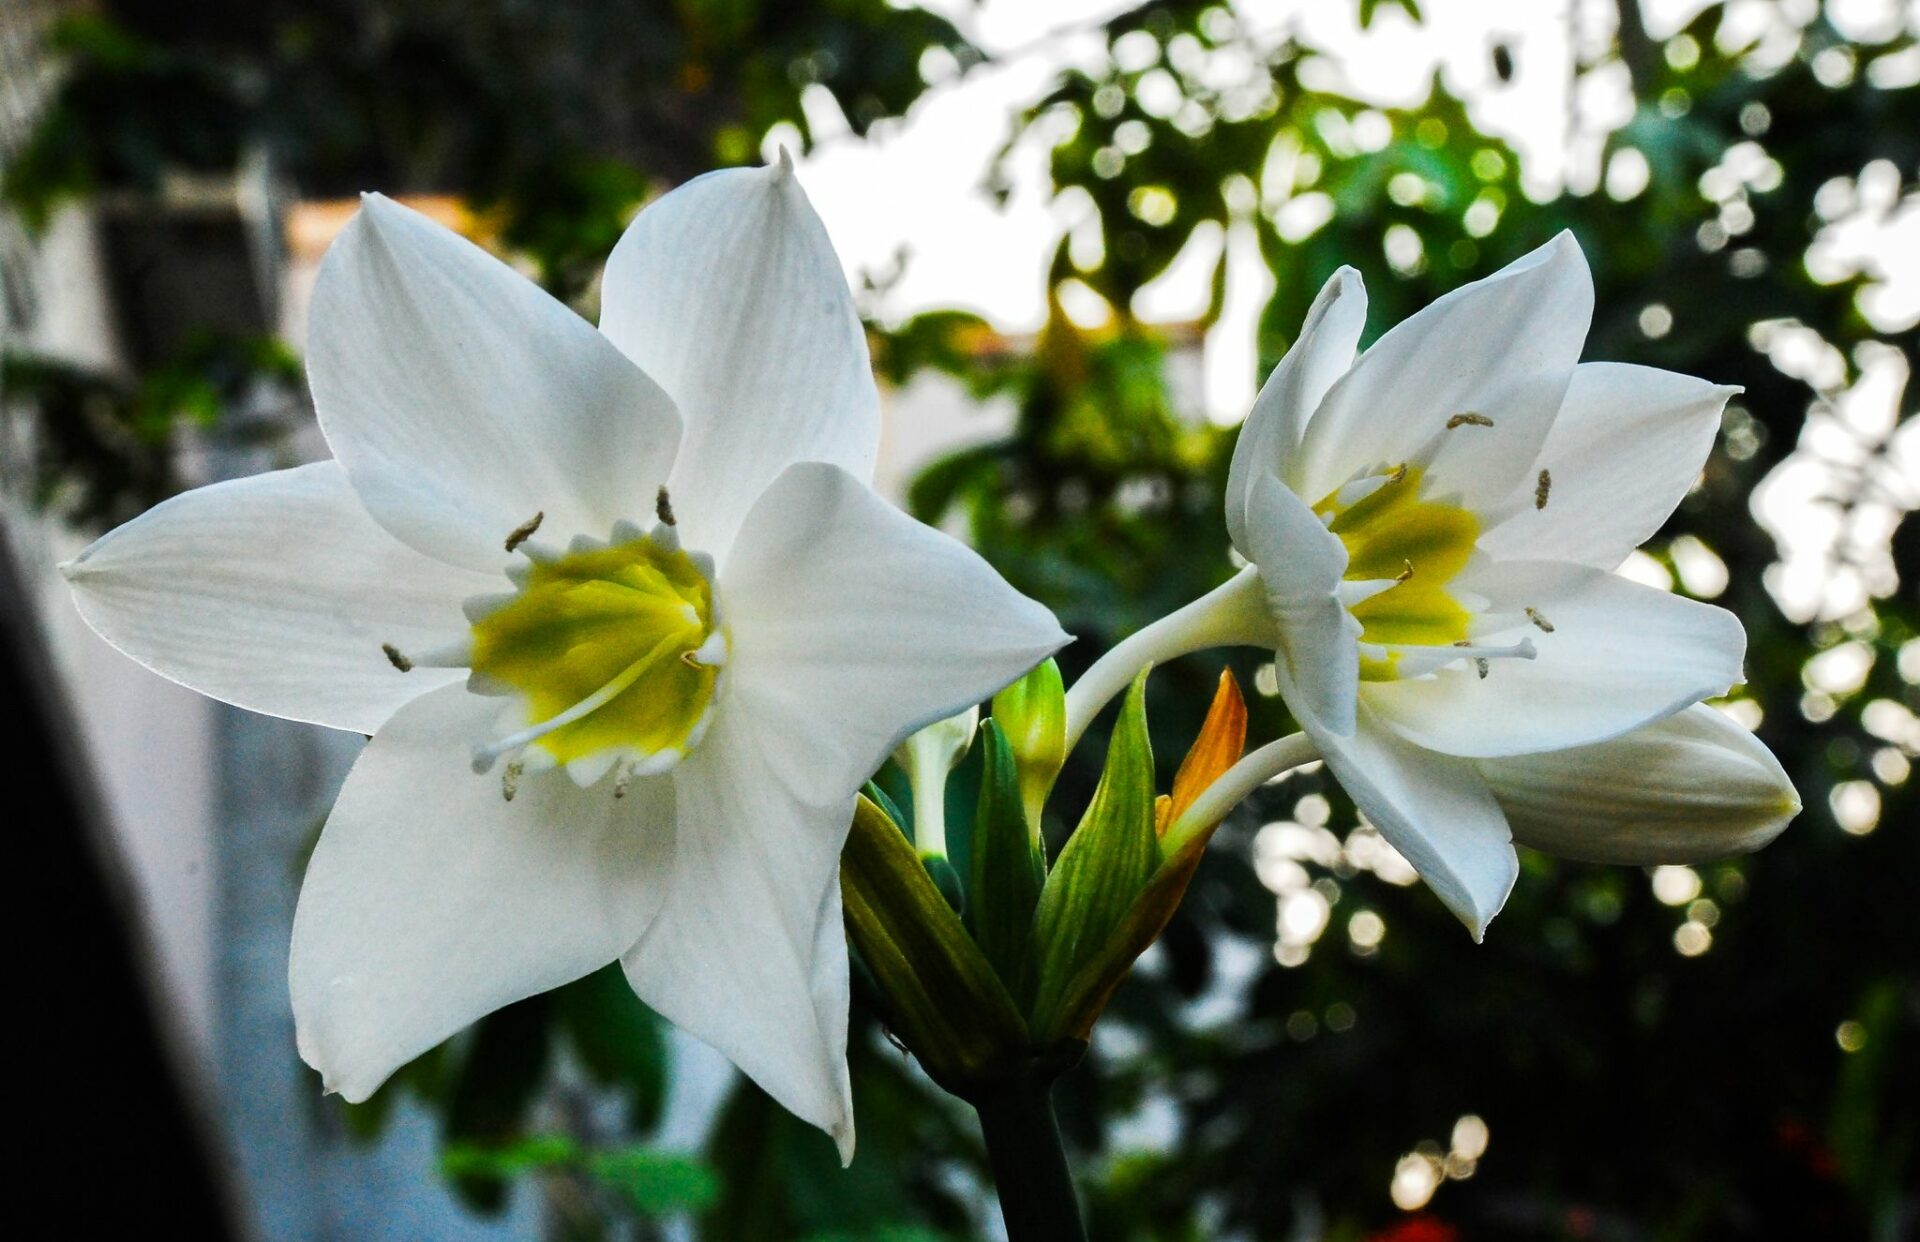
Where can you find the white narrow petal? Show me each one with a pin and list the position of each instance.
(275, 593)
(1691, 788)
(463, 400)
(1501, 348)
(1434, 809)
(431, 900)
(1628, 443)
(1619, 655)
(1300, 567)
(854, 626)
(1321, 354)
(728, 293)
(749, 952)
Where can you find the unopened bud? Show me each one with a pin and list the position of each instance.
(1032, 712)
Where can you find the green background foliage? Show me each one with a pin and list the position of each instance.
(1629, 1091)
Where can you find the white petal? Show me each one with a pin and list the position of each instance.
(1619, 655)
(463, 400)
(1628, 443)
(1691, 788)
(1434, 809)
(432, 901)
(749, 952)
(854, 626)
(1501, 348)
(1300, 567)
(728, 293)
(275, 593)
(1320, 355)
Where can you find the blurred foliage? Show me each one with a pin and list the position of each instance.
(1257, 1077)
(100, 449)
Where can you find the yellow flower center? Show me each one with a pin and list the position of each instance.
(1408, 549)
(609, 649)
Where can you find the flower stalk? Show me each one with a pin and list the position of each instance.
(1030, 1170)
(1232, 614)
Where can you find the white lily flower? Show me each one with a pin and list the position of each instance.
(690, 631)
(1692, 788)
(1431, 529)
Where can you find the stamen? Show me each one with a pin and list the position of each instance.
(456, 654)
(622, 779)
(1406, 575)
(1469, 419)
(1540, 490)
(485, 756)
(395, 658)
(510, 779)
(1533, 615)
(663, 507)
(1355, 490)
(523, 532)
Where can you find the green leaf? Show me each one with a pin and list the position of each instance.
(655, 1183)
(1107, 862)
(943, 999)
(1009, 866)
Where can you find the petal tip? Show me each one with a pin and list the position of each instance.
(842, 1135)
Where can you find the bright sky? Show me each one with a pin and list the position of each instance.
(914, 188)
(916, 185)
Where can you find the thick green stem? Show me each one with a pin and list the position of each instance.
(1029, 1164)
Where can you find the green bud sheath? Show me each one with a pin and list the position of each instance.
(1009, 868)
(944, 1001)
(1100, 873)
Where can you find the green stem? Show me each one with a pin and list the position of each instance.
(1029, 1164)
(1233, 614)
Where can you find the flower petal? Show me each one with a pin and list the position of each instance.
(431, 900)
(275, 593)
(1618, 655)
(1434, 809)
(1628, 443)
(727, 291)
(749, 952)
(1501, 349)
(1691, 788)
(463, 400)
(1321, 354)
(1300, 567)
(854, 626)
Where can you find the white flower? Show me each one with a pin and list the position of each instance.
(1691, 788)
(1431, 530)
(690, 631)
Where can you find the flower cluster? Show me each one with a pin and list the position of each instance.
(629, 632)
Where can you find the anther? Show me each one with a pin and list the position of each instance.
(395, 658)
(1405, 575)
(1545, 626)
(510, 779)
(622, 779)
(1469, 419)
(1480, 662)
(523, 532)
(663, 507)
(1540, 490)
